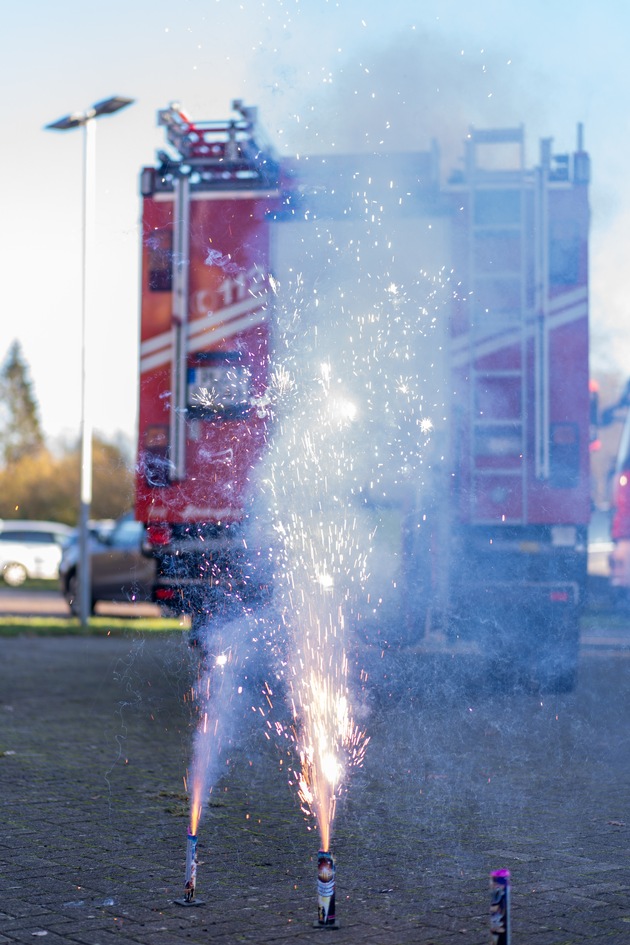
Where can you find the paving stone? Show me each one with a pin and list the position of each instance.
(457, 781)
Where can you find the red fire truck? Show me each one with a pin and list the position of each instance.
(493, 547)
(204, 354)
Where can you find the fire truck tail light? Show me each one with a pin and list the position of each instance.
(159, 535)
(559, 597)
(164, 593)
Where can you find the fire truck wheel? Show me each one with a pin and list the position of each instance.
(14, 574)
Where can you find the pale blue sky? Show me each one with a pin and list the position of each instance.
(325, 73)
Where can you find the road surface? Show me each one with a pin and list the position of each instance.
(26, 603)
(96, 737)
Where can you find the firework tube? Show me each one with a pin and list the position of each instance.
(500, 907)
(325, 888)
(191, 867)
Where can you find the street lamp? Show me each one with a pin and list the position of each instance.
(85, 120)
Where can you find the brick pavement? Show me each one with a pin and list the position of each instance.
(95, 738)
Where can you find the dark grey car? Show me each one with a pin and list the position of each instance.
(120, 572)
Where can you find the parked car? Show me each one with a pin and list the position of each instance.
(119, 570)
(31, 549)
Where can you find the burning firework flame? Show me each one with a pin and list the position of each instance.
(209, 697)
(330, 742)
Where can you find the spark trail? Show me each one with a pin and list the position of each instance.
(215, 696)
(352, 425)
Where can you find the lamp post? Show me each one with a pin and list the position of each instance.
(86, 120)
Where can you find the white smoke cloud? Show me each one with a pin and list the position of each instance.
(399, 96)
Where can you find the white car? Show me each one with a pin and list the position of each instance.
(31, 549)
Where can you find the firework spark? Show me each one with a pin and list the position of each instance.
(352, 426)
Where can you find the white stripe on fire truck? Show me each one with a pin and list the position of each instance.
(159, 513)
(212, 318)
(567, 300)
(213, 335)
(162, 343)
(154, 344)
(219, 332)
(166, 196)
(560, 314)
(199, 325)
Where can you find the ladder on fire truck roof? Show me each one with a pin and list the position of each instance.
(496, 181)
(219, 153)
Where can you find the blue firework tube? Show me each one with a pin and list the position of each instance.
(500, 907)
(191, 868)
(325, 888)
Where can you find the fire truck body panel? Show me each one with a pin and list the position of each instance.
(520, 343)
(226, 337)
(204, 352)
(495, 461)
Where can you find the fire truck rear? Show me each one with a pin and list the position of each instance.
(204, 356)
(512, 533)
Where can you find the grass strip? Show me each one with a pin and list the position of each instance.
(13, 626)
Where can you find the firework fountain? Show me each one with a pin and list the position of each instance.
(205, 754)
(214, 697)
(351, 422)
(319, 546)
(351, 418)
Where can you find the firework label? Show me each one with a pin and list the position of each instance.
(191, 868)
(325, 888)
(500, 907)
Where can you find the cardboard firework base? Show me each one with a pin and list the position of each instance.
(326, 871)
(190, 881)
(500, 932)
